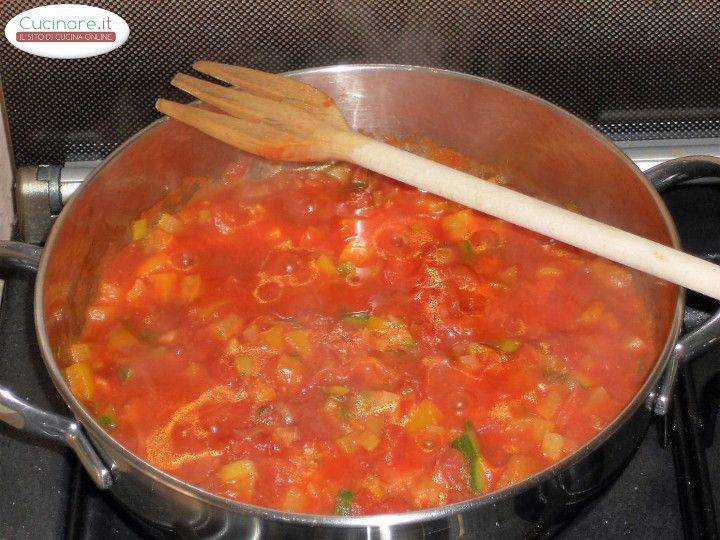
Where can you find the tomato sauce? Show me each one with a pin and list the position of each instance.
(331, 341)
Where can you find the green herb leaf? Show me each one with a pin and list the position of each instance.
(344, 502)
(346, 268)
(582, 381)
(262, 408)
(466, 250)
(509, 345)
(125, 373)
(343, 413)
(359, 318)
(107, 421)
(407, 347)
(477, 475)
(467, 444)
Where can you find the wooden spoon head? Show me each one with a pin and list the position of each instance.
(306, 142)
(277, 88)
(270, 116)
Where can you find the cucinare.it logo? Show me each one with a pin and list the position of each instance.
(66, 31)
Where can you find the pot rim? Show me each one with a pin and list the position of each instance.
(103, 439)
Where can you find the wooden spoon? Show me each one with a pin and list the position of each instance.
(279, 118)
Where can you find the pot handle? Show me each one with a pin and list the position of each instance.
(664, 176)
(22, 415)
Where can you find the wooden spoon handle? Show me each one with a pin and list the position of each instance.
(544, 218)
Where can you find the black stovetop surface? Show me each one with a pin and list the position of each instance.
(44, 494)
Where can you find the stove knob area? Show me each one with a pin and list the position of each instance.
(41, 191)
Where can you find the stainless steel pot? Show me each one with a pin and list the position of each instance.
(535, 144)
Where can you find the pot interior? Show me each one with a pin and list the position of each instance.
(535, 146)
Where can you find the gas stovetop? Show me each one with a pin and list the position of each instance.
(666, 491)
